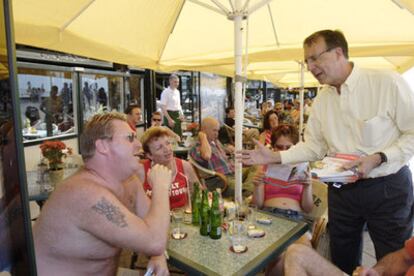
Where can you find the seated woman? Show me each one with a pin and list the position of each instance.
(158, 149)
(290, 201)
(270, 123)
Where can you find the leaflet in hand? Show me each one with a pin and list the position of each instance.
(330, 169)
(287, 174)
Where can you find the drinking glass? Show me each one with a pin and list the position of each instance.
(239, 236)
(177, 216)
(251, 216)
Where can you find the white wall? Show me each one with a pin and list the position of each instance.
(32, 154)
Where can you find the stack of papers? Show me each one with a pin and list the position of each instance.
(330, 169)
(287, 174)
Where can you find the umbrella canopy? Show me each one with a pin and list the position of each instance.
(207, 35)
(176, 34)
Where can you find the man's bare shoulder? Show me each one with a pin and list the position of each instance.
(79, 189)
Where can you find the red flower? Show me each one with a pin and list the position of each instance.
(53, 151)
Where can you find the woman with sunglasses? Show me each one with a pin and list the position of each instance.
(157, 146)
(270, 123)
(290, 201)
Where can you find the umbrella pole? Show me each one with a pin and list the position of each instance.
(301, 97)
(238, 29)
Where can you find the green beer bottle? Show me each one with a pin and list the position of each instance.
(215, 217)
(205, 215)
(195, 204)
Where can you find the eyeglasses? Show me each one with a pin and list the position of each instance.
(282, 147)
(315, 58)
(131, 137)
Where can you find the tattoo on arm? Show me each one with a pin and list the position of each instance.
(111, 212)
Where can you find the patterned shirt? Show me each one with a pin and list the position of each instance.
(218, 162)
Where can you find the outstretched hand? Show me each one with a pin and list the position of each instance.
(260, 156)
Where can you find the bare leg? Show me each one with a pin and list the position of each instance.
(276, 268)
(303, 260)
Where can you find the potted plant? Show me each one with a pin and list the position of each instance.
(54, 152)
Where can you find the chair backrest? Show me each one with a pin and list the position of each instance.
(230, 133)
(204, 173)
(319, 210)
(320, 199)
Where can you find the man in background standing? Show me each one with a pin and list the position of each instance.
(171, 105)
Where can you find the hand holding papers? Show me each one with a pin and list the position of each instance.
(330, 169)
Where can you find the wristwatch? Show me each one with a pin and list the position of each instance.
(384, 158)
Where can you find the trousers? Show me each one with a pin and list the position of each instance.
(384, 204)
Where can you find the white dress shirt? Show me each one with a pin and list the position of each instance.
(171, 99)
(373, 113)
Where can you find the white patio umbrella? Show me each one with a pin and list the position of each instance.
(198, 35)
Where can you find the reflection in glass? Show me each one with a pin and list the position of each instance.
(13, 243)
(100, 93)
(213, 96)
(46, 103)
(134, 89)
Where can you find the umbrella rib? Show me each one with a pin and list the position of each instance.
(208, 7)
(76, 15)
(273, 26)
(221, 6)
(231, 5)
(246, 5)
(258, 6)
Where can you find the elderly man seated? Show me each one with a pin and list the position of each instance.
(103, 208)
(210, 153)
(157, 146)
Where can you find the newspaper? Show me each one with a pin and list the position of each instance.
(287, 174)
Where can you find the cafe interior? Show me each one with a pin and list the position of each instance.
(62, 62)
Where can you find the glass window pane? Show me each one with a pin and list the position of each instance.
(100, 92)
(46, 103)
(14, 239)
(213, 96)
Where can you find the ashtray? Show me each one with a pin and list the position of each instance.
(178, 236)
(238, 250)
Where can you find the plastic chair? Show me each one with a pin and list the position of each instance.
(204, 173)
(319, 211)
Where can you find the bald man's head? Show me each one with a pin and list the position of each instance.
(210, 126)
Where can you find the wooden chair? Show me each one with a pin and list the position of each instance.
(204, 173)
(319, 210)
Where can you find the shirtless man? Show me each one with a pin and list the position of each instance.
(103, 208)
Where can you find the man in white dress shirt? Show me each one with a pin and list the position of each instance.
(358, 111)
(171, 105)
